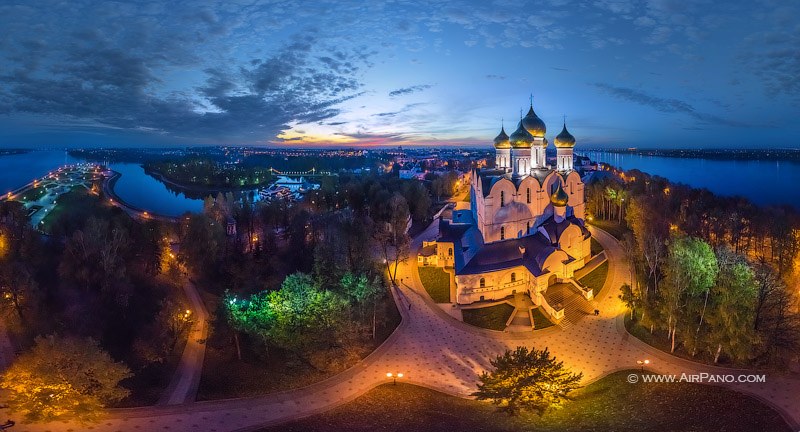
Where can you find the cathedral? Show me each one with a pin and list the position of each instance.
(523, 227)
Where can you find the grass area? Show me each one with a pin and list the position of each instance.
(596, 278)
(492, 317)
(609, 404)
(77, 204)
(33, 194)
(611, 227)
(436, 282)
(596, 248)
(540, 319)
(660, 340)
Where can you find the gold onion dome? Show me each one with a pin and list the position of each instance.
(501, 141)
(559, 198)
(534, 124)
(521, 138)
(564, 139)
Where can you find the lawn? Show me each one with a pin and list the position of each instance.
(437, 282)
(610, 404)
(596, 248)
(492, 317)
(596, 278)
(540, 319)
(72, 208)
(659, 339)
(33, 194)
(611, 227)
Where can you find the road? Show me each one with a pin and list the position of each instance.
(435, 350)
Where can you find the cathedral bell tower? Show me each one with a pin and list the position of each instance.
(564, 143)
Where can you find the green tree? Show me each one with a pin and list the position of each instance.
(691, 268)
(734, 301)
(299, 318)
(202, 243)
(62, 378)
(20, 255)
(362, 292)
(95, 259)
(524, 379)
(391, 235)
(629, 297)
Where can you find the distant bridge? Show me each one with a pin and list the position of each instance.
(310, 173)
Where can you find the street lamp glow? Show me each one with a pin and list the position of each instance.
(394, 377)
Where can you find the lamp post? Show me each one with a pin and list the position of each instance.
(394, 377)
(642, 363)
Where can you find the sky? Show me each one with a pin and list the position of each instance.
(638, 73)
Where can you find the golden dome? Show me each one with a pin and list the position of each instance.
(565, 139)
(559, 198)
(501, 140)
(533, 124)
(521, 138)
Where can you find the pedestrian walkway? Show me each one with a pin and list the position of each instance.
(186, 379)
(434, 350)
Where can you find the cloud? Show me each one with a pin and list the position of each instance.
(408, 90)
(774, 58)
(495, 77)
(666, 105)
(114, 86)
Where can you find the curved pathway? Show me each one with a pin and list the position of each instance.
(186, 379)
(434, 350)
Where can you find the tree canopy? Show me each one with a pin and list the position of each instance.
(64, 378)
(527, 379)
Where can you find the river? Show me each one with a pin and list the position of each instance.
(134, 186)
(763, 182)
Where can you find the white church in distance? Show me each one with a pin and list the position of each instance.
(523, 229)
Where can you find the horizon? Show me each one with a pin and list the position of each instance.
(670, 74)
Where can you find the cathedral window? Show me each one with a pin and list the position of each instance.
(502, 198)
(502, 233)
(483, 283)
(529, 195)
(528, 228)
(513, 277)
(450, 252)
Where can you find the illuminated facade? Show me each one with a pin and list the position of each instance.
(523, 229)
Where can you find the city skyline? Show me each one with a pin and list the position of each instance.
(642, 74)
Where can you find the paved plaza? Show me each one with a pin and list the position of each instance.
(435, 350)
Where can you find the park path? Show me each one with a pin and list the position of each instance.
(434, 350)
(186, 378)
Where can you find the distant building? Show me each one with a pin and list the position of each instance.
(295, 184)
(411, 170)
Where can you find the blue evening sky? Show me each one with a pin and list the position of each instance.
(644, 73)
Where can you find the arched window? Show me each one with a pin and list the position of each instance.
(483, 283)
(528, 230)
(529, 195)
(502, 233)
(450, 252)
(513, 277)
(502, 198)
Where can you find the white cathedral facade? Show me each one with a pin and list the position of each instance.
(523, 229)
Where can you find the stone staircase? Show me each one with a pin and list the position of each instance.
(575, 306)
